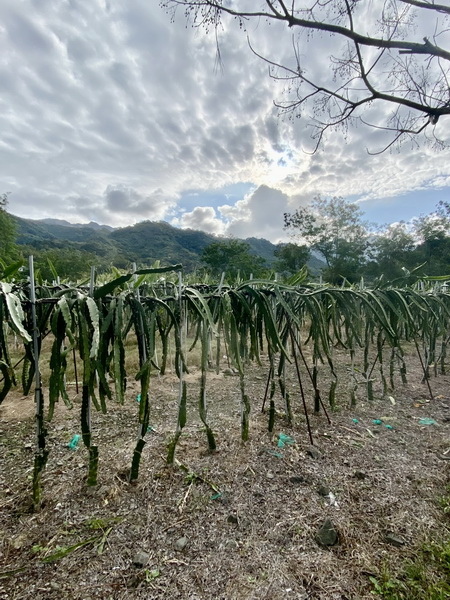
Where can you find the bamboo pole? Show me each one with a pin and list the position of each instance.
(305, 409)
(41, 453)
(181, 421)
(86, 404)
(144, 408)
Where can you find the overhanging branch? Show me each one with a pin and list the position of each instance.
(392, 75)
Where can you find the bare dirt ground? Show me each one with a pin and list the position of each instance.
(237, 524)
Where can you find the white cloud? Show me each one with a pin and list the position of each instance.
(109, 112)
(202, 217)
(260, 214)
(121, 199)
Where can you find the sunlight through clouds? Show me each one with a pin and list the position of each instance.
(110, 112)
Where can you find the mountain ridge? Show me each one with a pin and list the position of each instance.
(63, 223)
(142, 243)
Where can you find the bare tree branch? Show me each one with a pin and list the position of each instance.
(442, 8)
(384, 68)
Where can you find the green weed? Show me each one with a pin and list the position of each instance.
(444, 501)
(425, 578)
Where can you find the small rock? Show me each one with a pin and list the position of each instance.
(229, 372)
(314, 452)
(224, 499)
(140, 559)
(181, 543)
(244, 523)
(55, 585)
(394, 540)
(323, 490)
(270, 475)
(327, 534)
(232, 519)
(272, 535)
(231, 545)
(360, 475)
(278, 537)
(19, 541)
(297, 479)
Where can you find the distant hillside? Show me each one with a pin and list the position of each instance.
(44, 236)
(263, 248)
(149, 241)
(63, 223)
(315, 265)
(142, 243)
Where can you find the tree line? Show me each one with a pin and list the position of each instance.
(329, 236)
(351, 248)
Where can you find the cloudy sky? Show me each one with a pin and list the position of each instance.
(110, 112)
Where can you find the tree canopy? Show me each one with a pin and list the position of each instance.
(234, 258)
(433, 234)
(290, 258)
(391, 252)
(383, 63)
(352, 248)
(8, 231)
(334, 228)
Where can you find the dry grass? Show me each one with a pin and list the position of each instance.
(257, 540)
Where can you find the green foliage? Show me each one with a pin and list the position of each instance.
(391, 252)
(291, 258)
(143, 244)
(71, 264)
(256, 316)
(425, 243)
(11, 271)
(102, 522)
(149, 241)
(8, 248)
(333, 228)
(445, 502)
(234, 258)
(433, 232)
(427, 577)
(263, 248)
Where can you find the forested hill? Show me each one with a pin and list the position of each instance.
(142, 243)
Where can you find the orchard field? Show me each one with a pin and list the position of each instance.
(190, 441)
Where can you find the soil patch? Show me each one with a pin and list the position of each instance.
(242, 523)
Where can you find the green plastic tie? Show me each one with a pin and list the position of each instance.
(74, 442)
(427, 421)
(284, 440)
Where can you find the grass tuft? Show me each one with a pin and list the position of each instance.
(427, 577)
